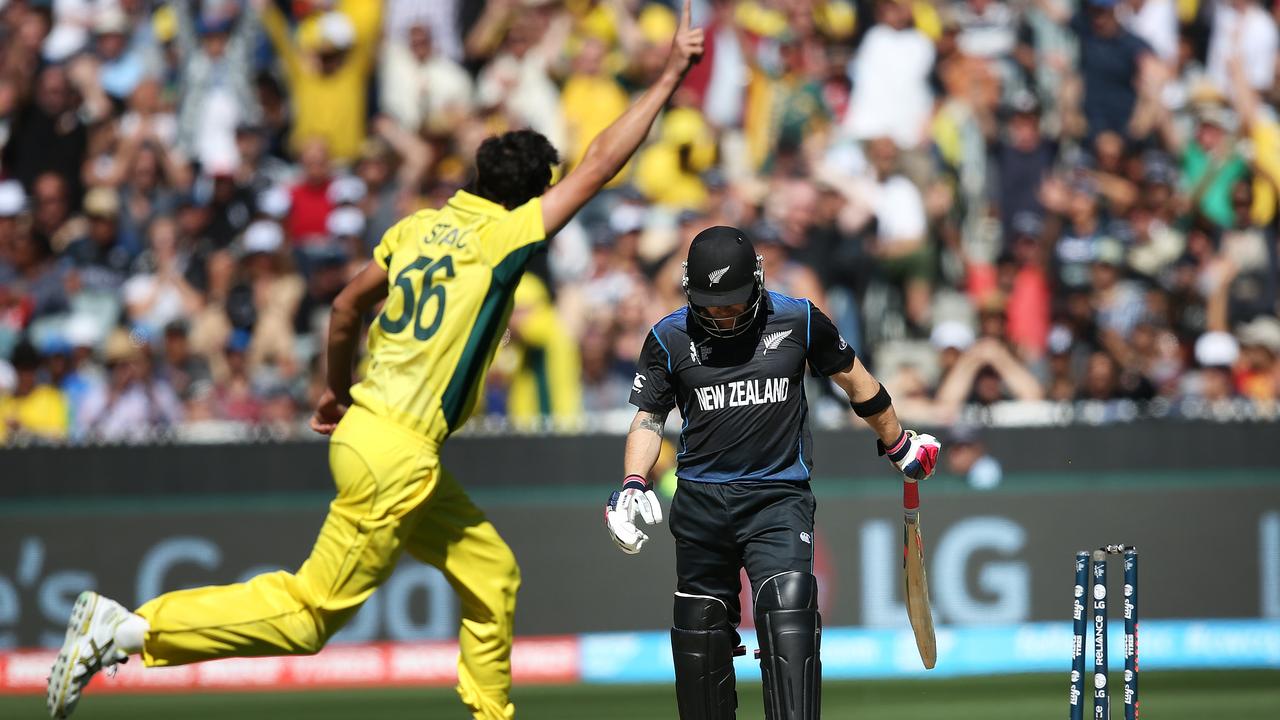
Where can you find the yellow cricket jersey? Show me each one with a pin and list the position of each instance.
(452, 277)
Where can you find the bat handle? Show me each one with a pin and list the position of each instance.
(910, 495)
(910, 500)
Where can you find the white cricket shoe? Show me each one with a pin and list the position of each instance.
(90, 646)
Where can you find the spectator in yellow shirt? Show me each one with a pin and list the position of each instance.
(669, 172)
(591, 100)
(35, 409)
(327, 69)
(547, 379)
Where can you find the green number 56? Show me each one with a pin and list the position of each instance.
(413, 304)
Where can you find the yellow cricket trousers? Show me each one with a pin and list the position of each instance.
(393, 495)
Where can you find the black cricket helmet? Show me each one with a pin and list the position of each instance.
(723, 269)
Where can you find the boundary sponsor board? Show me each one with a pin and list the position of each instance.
(534, 660)
(868, 653)
(645, 657)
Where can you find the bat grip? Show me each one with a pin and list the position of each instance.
(910, 495)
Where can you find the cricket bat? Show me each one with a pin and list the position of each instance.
(918, 610)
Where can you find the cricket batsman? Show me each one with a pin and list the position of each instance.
(733, 361)
(447, 277)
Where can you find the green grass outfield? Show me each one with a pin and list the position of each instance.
(1219, 695)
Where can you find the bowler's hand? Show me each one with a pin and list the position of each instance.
(687, 47)
(328, 412)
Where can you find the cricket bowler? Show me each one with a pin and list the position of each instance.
(447, 277)
(733, 360)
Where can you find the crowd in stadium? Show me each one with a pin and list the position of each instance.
(1047, 201)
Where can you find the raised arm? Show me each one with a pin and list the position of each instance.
(277, 29)
(612, 148)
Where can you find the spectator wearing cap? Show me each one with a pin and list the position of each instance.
(130, 406)
(890, 72)
(421, 87)
(346, 235)
(347, 191)
(1064, 356)
(1216, 353)
(48, 135)
(327, 67)
(233, 395)
(67, 375)
(161, 294)
(99, 258)
(35, 409)
(13, 203)
(120, 66)
(1211, 162)
(216, 52)
(950, 338)
(1258, 373)
(276, 292)
(1113, 63)
(967, 457)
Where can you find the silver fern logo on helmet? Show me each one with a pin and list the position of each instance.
(738, 323)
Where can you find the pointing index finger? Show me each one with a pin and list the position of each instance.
(686, 16)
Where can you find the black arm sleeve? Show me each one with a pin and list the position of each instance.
(651, 389)
(828, 352)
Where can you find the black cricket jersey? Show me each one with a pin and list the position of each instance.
(742, 398)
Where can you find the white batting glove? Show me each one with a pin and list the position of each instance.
(915, 455)
(636, 496)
